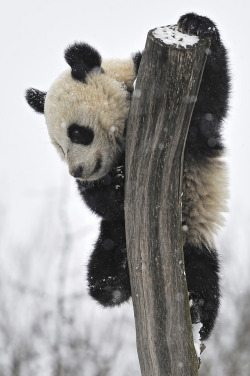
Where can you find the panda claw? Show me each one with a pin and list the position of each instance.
(192, 24)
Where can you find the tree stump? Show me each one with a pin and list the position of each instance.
(164, 97)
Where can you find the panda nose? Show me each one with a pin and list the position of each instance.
(77, 173)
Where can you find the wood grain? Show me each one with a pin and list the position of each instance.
(167, 85)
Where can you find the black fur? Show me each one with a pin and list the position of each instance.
(82, 53)
(106, 195)
(80, 134)
(82, 58)
(193, 24)
(108, 276)
(78, 172)
(36, 99)
(202, 272)
(80, 71)
(137, 61)
(204, 136)
(98, 165)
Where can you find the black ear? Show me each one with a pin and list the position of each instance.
(82, 58)
(36, 99)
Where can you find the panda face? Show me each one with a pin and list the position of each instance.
(86, 122)
(86, 110)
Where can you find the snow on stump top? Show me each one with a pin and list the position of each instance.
(171, 35)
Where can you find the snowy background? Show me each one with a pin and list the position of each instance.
(48, 324)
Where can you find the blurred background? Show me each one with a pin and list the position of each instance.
(48, 324)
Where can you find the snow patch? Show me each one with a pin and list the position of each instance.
(170, 35)
(197, 339)
(63, 124)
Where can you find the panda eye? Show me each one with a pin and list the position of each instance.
(80, 134)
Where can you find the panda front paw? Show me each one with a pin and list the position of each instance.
(192, 24)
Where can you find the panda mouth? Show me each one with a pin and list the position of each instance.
(98, 166)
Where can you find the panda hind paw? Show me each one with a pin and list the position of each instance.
(204, 312)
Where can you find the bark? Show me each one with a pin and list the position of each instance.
(161, 108)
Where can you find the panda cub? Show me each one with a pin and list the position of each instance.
(86, 110)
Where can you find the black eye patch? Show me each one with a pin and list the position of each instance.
(80, 134)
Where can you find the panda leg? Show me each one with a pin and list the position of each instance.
(108, 276)
(202, 272)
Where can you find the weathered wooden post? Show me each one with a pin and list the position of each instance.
(161, 109)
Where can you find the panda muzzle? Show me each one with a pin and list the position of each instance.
(77, 172)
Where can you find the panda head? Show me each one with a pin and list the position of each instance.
(86, 110)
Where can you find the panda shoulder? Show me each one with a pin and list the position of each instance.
(122, 70)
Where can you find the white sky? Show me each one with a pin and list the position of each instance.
(33, 37)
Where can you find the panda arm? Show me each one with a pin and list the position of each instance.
(204, 137)
(105, 196)
(205, 182)
(108, 276)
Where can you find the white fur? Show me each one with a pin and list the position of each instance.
(101, 104)
(204, 199)
(121, 70)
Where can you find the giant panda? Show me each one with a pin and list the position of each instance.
(86, 110)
